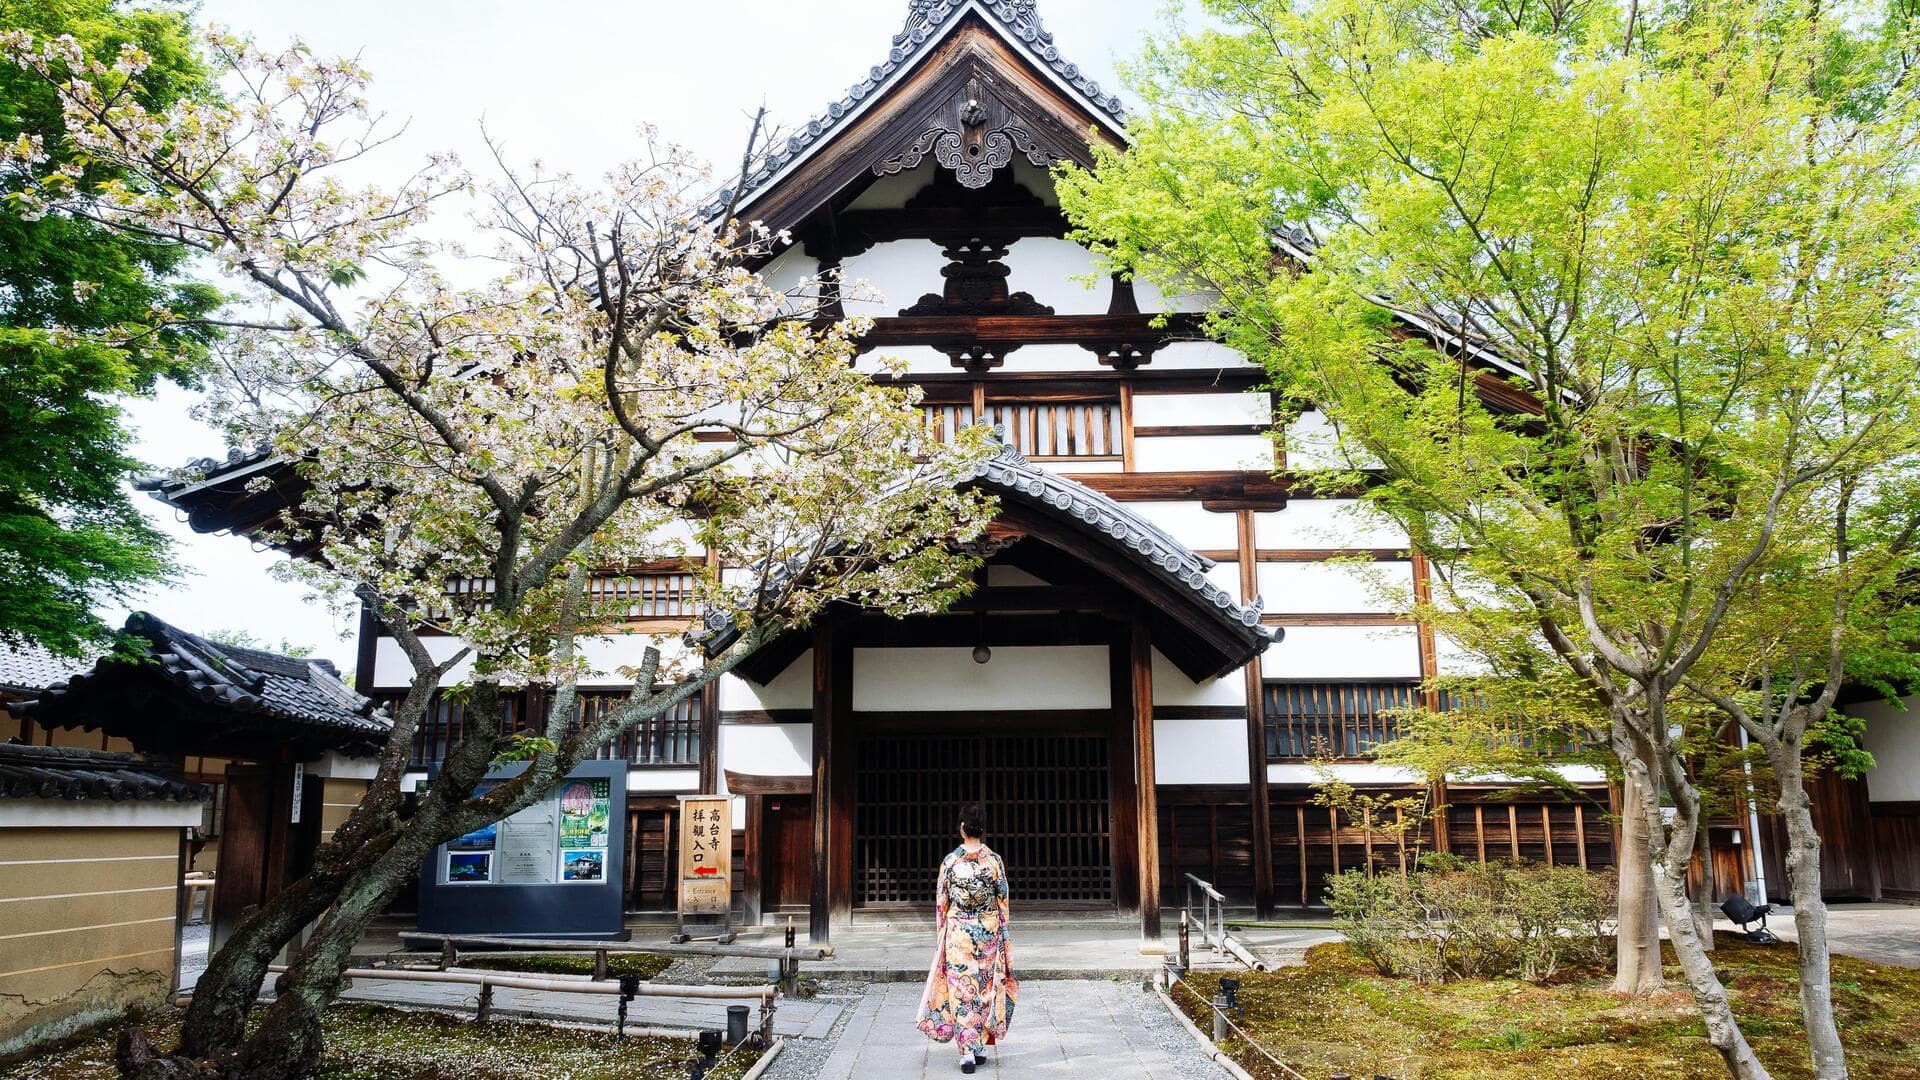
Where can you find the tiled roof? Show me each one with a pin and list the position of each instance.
(927, 21)
(1009, 472)
(201, 469)
(29, 669)
(285, 694)
(66, 772)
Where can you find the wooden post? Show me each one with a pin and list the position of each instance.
(1480, 831)
(750, 860)
(1258, 795)
(1121, 776)
(1300, 828)
(1513, 831)
(1580, 831)
(832, 685)
(1546, 830)
(1141, 654)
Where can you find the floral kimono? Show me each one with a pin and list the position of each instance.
(971, 989)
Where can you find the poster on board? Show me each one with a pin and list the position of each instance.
(528, 845)
(585, 810)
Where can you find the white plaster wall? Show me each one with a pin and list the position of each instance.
(1341, 587)
(1893, 738)
(1212, 751)
(1047, 358)
(1326, 523)
(1452, 659)
(1163, 410)
(1227, 576)
(1202, 453)
(606, 655)
(1151, 298)
(391, 669)
(97, 814)
(892, 192)
(789, 269)
(791, 689)
(1191, 524)
(1172, 687)
(1035, 179)
(1051, 269)
(918, 359)
(1313, 443)
(1186, 355)
(642, 780)
(766, 749)
(1344, 652)
(898, 273)
(1039, 677)
(1069, 467)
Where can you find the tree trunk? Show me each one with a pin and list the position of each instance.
(1670, 882)
(1809, 920)
(1709, 887)
(1636, 946)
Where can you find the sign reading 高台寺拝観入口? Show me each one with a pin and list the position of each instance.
(706, 847)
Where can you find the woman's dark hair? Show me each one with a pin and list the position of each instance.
(973, 820)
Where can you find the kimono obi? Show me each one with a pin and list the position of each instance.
(972, 887)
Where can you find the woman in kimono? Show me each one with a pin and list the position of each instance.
(971, 989)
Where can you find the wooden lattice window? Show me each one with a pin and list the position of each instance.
(664, 595)
(1337, 719)
(669, 739)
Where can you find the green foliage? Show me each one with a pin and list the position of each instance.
(1456, 920)
(86, 315)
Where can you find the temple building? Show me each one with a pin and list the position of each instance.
(1168, 632)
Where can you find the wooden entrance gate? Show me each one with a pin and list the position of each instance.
(1048, 804)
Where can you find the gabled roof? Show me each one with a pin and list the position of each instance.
(928, 23)
(1199, 626)
(65, 772)
(191, 692)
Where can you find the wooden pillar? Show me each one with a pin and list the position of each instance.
(1259, 797)
(1141, 655)
(1121, 773)
(709, 738)
(750, 861)
(830, 894)
(1429, 696)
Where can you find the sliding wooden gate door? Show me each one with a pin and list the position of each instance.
(1048, 802)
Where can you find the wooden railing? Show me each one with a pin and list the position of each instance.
(1080, 430)
(649, 595)
(670, 739)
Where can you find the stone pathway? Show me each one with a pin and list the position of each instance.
(1109, 1030)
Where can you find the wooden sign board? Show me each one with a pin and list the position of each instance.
(706, 850)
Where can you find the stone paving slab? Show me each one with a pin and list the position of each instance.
(1066, 1027)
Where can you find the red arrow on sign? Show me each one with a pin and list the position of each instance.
(705, 871)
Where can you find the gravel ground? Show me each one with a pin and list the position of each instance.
(803, 1058)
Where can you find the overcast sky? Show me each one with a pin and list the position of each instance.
(567, 83)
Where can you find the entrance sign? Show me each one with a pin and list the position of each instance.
(551, 869)
(706, 872)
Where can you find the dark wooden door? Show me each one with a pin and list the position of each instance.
(1048, 802)
(787, 851)
(241, 882)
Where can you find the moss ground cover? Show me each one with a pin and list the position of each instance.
(373, 1042)
(645, 965)
(1337, 1013)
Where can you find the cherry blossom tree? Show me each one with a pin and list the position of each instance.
(609, 383)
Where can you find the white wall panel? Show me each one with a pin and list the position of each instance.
(1893, 737)
(1357, 772)
(899, 271)
(1191, 524)
(1227, 576)
(789, 268)
(1048, 358)
(1212, 751)
(1309, 587)
(391, 668)
(605, 655)
(1455, 660)
(1344, 652)
(1172, 687)
(1070, 467)
(1151, 298)
(1326, 523)
(1197, 354)
(1164, 410)
(1038, 677)
(919, 359)
(1048, 267)
(791, 689)
(1193, 453)
(766, 749)
(1313, 443)
(687, 780)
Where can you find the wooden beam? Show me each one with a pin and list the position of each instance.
(755, 784)
(1082, 330)
(1141, 656)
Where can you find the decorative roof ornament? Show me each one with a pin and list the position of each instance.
(926, 21)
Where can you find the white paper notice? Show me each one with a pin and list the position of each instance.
(528, 846)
